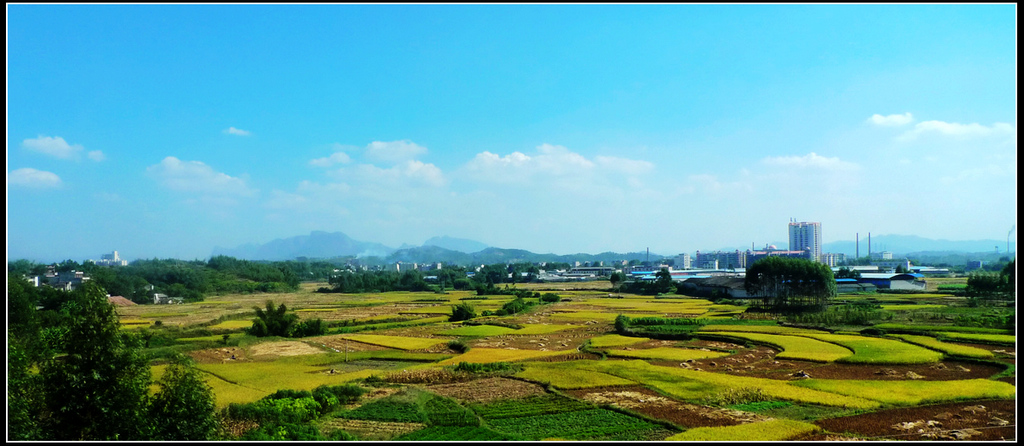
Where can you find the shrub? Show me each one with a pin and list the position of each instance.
(550, 298)
(458, 345)
(462, 312)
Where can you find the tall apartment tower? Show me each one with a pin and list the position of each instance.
(805, 235)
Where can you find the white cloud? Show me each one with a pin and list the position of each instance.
(54, 146)
(960, 130)
(552, 162)
(627, 166)
(96, 155)
(32, 178)
(195, 176)
(394, 151)
(335, 158)
(811, 161)
(891, 120)
(416, 171)
(239, 132)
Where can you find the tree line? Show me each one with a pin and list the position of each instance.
(73, 375)
(191, 280)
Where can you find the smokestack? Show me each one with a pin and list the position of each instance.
(869, 244)
(858, 245)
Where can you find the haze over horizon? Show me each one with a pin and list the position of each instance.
(171, 129)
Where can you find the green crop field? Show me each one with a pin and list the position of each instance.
(460, 433)
(906, 393)
(478, 330)
(591, 424)
(945, 347)
(766, 329)
(546, 403)
(794, 347)
(567, 375)
(1000, 339)
(868, 350)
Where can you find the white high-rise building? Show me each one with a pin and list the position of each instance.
(805, 235)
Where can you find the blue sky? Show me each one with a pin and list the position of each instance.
(166, 130)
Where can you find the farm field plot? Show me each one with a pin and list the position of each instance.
(650, 403)
(589, 424)
(1000, 339)
(993, 420)
(569, 375)
(667, 353)
(614, 340)
(946, 347)
(774, 430)
(402, 339)
(793, 347)
(914, 392)
(868, 350)
(399, 342)
(486, 355)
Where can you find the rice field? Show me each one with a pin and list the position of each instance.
(568, 376)
(614, 340)
(793, 347)
(410, 332)
(667, 354)
(867, 350)
(478, 331)
(774, 430)
(978, 337)
(915, 392)
(945, 347)
(486, 355)
(232, 325)
(399, 342)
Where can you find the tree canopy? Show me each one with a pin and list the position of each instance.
(790, 283)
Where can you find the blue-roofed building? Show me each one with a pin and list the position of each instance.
(893, 281)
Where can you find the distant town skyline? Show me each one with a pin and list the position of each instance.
(167, 130)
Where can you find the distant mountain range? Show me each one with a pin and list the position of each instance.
(903, 245)
(324, 245)
(328, 245)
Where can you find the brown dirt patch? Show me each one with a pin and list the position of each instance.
(283, 348)
(487, 390)
(370, 430)
(218, 355)
(648, 402)
(973, 421)
(786, 369)
(760, 361)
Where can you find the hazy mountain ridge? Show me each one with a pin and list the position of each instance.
(324, 245)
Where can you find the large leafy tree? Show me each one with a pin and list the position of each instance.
(98, 389)
(786, 283)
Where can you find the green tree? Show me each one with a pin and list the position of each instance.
(663, 281)
(23, 395)
(785, 283)
(98, 388)
(273, 321)
(183, 409)
(462, 312)
(616, 278)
